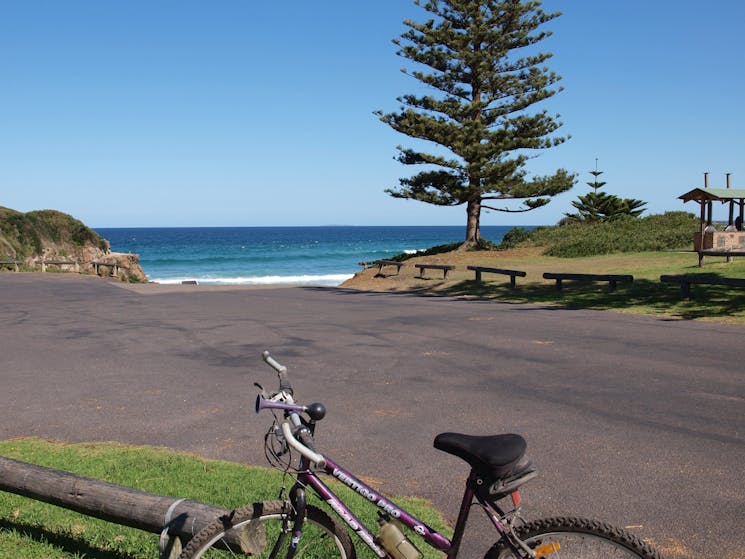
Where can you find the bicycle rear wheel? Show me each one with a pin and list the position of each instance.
(578, 538)
(265, 531)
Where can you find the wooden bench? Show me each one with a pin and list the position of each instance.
(512, 273)
(612, 279)
(685, 282)
(444, 267)
(45, 263)
(728, 253)
(381, 263)
(13, 263)
(97, 265)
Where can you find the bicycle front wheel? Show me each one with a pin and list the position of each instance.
(578, 538)
(265, 531)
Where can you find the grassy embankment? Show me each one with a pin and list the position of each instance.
(27, 234)
(31, 529)
(646, 248)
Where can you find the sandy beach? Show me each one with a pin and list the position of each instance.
(636, 420)
(154, 288)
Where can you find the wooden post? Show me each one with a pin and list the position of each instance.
(107, 501)
(701, 229)
(685, 290)
(703, 215)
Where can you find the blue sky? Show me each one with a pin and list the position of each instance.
(194, 113)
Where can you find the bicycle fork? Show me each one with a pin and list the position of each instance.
(297, 517)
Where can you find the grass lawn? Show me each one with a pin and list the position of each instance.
(646, 295)
(32, 529)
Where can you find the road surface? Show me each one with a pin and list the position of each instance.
(633, 419)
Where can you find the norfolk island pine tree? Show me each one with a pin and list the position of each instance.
(472, 55)
(601, 206)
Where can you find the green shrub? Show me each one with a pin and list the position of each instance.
(20, 233)
(27, 233)
(442, 249)
(668, 231)
(514, 237)
(61, 227)
(439, 249)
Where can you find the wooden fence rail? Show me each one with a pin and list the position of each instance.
(482, 269)
(60, 263)
(14, 263)
(612, 279)
(98, 265)
(183, 518)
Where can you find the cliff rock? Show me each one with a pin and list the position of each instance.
(56, 239)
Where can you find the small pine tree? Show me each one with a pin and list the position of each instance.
(596, 174)
(601, 206)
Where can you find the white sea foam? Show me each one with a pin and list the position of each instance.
(412, 250)
(330, 279)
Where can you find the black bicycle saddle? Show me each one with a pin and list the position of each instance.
(493, 456)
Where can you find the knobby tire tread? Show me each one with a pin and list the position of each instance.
(585, 526)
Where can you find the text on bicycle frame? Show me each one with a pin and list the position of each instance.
(370, 495)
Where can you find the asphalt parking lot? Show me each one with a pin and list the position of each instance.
(633, 419)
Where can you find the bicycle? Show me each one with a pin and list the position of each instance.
(291, 528)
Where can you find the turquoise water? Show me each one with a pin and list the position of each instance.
(273, 255)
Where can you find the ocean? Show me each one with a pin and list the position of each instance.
(274, 255)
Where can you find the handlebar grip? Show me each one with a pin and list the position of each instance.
(306, 438)
(269, 360)
(284, 383)
(318, 459)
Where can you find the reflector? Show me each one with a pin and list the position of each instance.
(546, 548)
(516, 499)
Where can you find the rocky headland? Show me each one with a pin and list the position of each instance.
(51, 240)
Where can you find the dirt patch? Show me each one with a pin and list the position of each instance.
(408, 279)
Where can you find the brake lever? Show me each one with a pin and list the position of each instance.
(263, 392)
(284, 447)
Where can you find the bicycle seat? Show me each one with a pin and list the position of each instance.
(493, 456)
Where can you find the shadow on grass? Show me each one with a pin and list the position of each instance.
(644, 296)
(65, 542)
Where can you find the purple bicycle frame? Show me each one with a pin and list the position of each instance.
(309, 478)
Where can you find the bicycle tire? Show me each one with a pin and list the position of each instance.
(260, 526)
(579, 538)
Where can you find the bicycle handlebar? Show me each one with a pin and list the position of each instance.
(284, 401)
(284, 383)
(300, 447)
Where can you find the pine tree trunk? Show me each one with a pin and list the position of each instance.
(473, 225)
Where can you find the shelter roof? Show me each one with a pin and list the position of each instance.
(715, 194)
